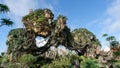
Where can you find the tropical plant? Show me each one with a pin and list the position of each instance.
(4, 59)
(89, 63)
(105, 35)
(117, 53)
(4, 21)
(63, 62)
(117, 64)
(27, 60)
(7, 22)
(4, 8)
(112, 40)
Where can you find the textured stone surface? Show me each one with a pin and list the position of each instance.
(39, 21)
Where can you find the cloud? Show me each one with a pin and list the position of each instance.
(20, 7)
(111, 21)
(113, 17)
(45, 4)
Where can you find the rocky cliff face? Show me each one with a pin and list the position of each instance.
(86, 42)
(19, 42)
(40, 23)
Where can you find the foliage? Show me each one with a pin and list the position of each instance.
(27, 59)
(37, 15)
(14, 40)
(88, 62)
(4, 21)
(83, 37)
(7, 22)
(117, 53)
(39, 21)
(112, 40)
(4, 60)
(19, 39)
(62, 62)
(114, 44)
(69, 61)
(3, 8)
(104, 35)
(117, 64)
(85, 41)
(14, 65)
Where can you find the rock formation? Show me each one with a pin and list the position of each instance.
(40, 23)
(86, 42)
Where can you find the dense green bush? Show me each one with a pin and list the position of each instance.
(88, 63)
(62, 62)
(14, 65)
(117, 53)
(69, 62)
(27, 59)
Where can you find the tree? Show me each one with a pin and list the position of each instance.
(105, 35)
(5, 21)
(27, 60)
(4, 8)
(117, 53)
(89, 63)
(112, 40)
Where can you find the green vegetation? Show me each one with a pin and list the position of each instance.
(112, 40)
(83, 37)
(117, 53)
(27, 59)
(88, 62)
(39, 21)
(4, 21)
(37, 15)
(71, 61)
(4, 8)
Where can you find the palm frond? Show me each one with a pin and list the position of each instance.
(7, 22)
(4, 8)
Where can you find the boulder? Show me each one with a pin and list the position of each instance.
(39, 21)
(85, 41)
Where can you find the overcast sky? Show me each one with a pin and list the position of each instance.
(98, 16)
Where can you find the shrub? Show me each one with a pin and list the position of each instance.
(27, 59)
(88, 62)
(62, 62)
